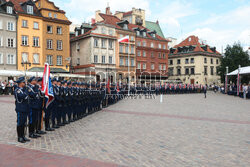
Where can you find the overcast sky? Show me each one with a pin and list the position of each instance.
(219, 22)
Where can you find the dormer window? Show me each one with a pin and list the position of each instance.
(144, 34)
(138, 33)
(125, 26)
(9, 10)
(153, 35)
(30, 9)
(50, 15)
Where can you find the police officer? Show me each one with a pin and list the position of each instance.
(22, 109)
(34, 107)
(55, 104)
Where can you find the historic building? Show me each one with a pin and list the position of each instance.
(7, 36)
(125, 53)
(42, 36)
(93, 51)
(194, 62)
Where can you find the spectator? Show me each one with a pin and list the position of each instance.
(245, 90)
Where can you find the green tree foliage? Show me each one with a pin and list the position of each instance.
(234, 56)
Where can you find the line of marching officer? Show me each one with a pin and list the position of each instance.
(72, 101)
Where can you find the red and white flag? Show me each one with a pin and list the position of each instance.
(47, 87)
(238, 83)
(124, 39)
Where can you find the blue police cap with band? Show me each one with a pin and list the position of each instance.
(20, 80)
(39, 79)
(69, 83)
(53, 80)
(31, 79)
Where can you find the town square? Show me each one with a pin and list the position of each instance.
(136, 83)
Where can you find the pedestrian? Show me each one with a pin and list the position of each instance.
(205, 91)
(245, 90)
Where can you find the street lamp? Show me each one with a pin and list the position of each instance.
(25, 65)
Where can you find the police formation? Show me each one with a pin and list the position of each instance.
(72, 101)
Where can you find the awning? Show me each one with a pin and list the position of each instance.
(52, 70)
(243, 70)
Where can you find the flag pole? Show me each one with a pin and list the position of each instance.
(128, 72)
(238, 82)
(226, 80)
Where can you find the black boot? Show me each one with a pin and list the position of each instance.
(19, 134)
(24, 138)
(31, 132)
(35, 129)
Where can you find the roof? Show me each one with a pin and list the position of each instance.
(18, 6)
(113, 20)
(242, 70)
(196, 42)
(127, 13)
(154, 26)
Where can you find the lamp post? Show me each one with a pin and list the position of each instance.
(226, 79)
(25, 65)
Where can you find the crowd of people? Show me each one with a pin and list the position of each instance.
(6, 87)
(244, 90)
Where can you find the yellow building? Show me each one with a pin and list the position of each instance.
(42, 36)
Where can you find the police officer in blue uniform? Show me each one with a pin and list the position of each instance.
(34, 106)
(55, 104)
(22, 109)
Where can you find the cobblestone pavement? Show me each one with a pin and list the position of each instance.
(184, 130)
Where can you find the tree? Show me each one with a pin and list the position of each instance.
(234, 56)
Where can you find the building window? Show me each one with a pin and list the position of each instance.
(217, 61)
(36, 58)
(24, 23)
(126, 49)
(110, 32)
(132, 49)
(121, 48)
(152, 45)
(95, 59)
(78, 61)
(192, 60)
(50, 14)
(96, 42)
(10, 26)
(132, 38)
(152, 54)
(49, 44)
(164, 66)
(144, 54)
(126, 61)
(1, 58)
(49, 29)
(9, 10)
(171, 71)
(24, 57)
(217, 71)
(192, 71)
(212, 61)
(187, 71)
(103, 59)
(144, 34)
(139, 43)
(30, 9)
(138, 53)
(59, 45)
(186, 61)
(59, 60)
(36, 41)
(159, 46)
(11, 42)
(36, 25)
(110, 44)
(170, 62)
(160, 67)
(125, 26)
(138, 65)
(163, 55)
(205, 60)
(164, 46)
(110, 59)
(103, 43)
(212, 70)
(178, 71)
(24, 40)
(144, 66)
(59, 30)
(144, 43)
(11, 59)
(132, 62)
(49, 59)
(205, 70)
(159, 55)
(121, 61)
(178, 61)
(137, 33)
(152, 66)
(55, 15)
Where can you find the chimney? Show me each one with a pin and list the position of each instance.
(157, 22)
(92, 21)
(108, 10)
